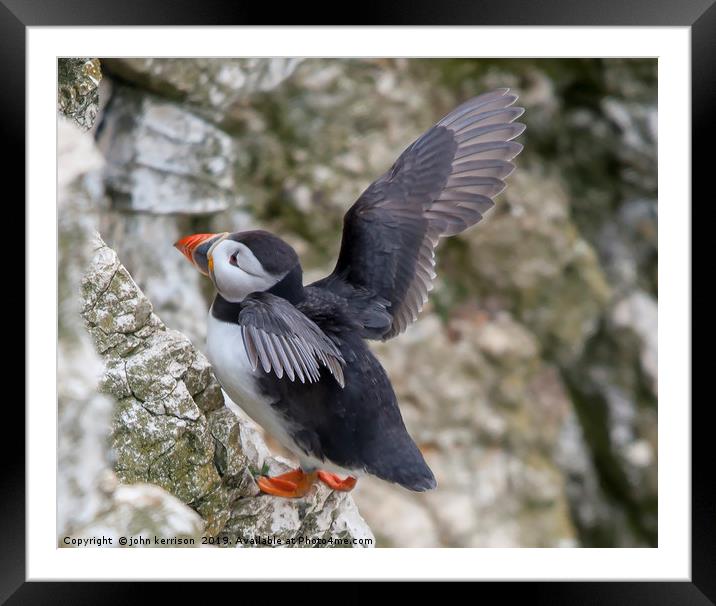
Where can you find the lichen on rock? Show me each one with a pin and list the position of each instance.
(77, 89)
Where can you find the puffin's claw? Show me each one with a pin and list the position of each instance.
(296, 483)
(333, 481)
(291, 484)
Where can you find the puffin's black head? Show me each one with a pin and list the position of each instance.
(242, 262)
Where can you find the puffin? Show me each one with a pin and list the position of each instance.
(295, 357)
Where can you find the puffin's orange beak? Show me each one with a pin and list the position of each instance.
(190, 248)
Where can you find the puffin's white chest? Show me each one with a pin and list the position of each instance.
(225, 350)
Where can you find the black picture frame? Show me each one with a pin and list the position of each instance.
(699, 15)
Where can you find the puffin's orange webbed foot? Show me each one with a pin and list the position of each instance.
(291, 484)
(333, 481)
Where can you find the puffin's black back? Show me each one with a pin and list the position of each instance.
(358, 426)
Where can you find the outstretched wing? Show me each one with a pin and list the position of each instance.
(281, 339)
(439, 186)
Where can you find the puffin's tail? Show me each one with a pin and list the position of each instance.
(404, 465)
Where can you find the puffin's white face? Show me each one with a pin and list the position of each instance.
(236, 272)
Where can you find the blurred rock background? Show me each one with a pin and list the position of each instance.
(530, 381)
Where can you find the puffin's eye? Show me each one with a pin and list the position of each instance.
(232, 259)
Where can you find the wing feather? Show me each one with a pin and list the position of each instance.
(255, 337)
(285, 341)
(283, 356)
(292, 359)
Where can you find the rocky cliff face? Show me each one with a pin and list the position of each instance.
(155, 451)
(530, 380)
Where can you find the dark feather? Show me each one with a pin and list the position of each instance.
(439, 186)
(285, 341)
